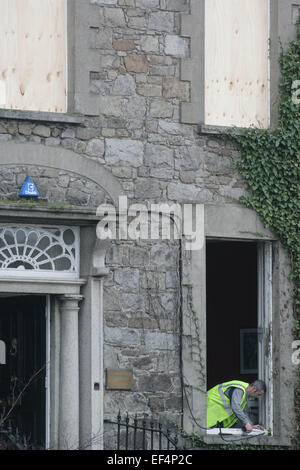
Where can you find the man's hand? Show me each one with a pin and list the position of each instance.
(250, 428)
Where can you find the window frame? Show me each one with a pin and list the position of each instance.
(264, 330)
(245, 225)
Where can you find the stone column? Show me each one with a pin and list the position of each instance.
(69, 373)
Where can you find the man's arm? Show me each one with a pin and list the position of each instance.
(235, 403)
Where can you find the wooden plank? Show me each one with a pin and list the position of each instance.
(33, 55)
(236, 63)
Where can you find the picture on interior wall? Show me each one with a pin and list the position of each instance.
(248, 351)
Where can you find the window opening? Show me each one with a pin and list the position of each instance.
(238, 280)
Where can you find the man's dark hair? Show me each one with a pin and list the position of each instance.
(260, 385)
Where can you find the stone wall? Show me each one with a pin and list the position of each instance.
(137, 135)
(142, 314)
(139, 138)
(55, 186)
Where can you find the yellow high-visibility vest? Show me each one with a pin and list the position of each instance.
(218, 404)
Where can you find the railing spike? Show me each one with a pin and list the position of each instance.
(151, 432)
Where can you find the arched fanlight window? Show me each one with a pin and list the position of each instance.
(31, 250)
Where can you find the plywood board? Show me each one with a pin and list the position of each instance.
(236, 63)
(33, 55)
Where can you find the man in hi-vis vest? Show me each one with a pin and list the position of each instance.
(226, 403)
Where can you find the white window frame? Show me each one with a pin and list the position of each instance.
(265, 307)
(46, 273)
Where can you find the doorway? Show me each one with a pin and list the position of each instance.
(232, 311)
(22, 376)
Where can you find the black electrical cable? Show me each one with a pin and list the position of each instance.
(181, 331)
(242, 438)
(191, 413)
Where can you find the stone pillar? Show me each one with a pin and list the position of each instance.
(69, 373)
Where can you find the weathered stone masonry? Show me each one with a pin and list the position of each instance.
(135, 132)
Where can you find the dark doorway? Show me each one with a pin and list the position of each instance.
(232, 310)
(23, 330)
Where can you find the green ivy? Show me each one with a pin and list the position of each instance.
(270, 164)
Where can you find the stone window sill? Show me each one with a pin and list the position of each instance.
(204, 129)
(41, 116)
(259, 440)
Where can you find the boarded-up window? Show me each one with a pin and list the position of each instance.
(236, 63)
(33, 55)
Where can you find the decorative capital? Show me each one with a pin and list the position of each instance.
(70, 302)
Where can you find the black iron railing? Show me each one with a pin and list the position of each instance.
(144, 433)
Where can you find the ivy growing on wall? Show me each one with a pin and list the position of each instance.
(270, 164)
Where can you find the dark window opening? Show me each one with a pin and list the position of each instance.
(232, 312)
